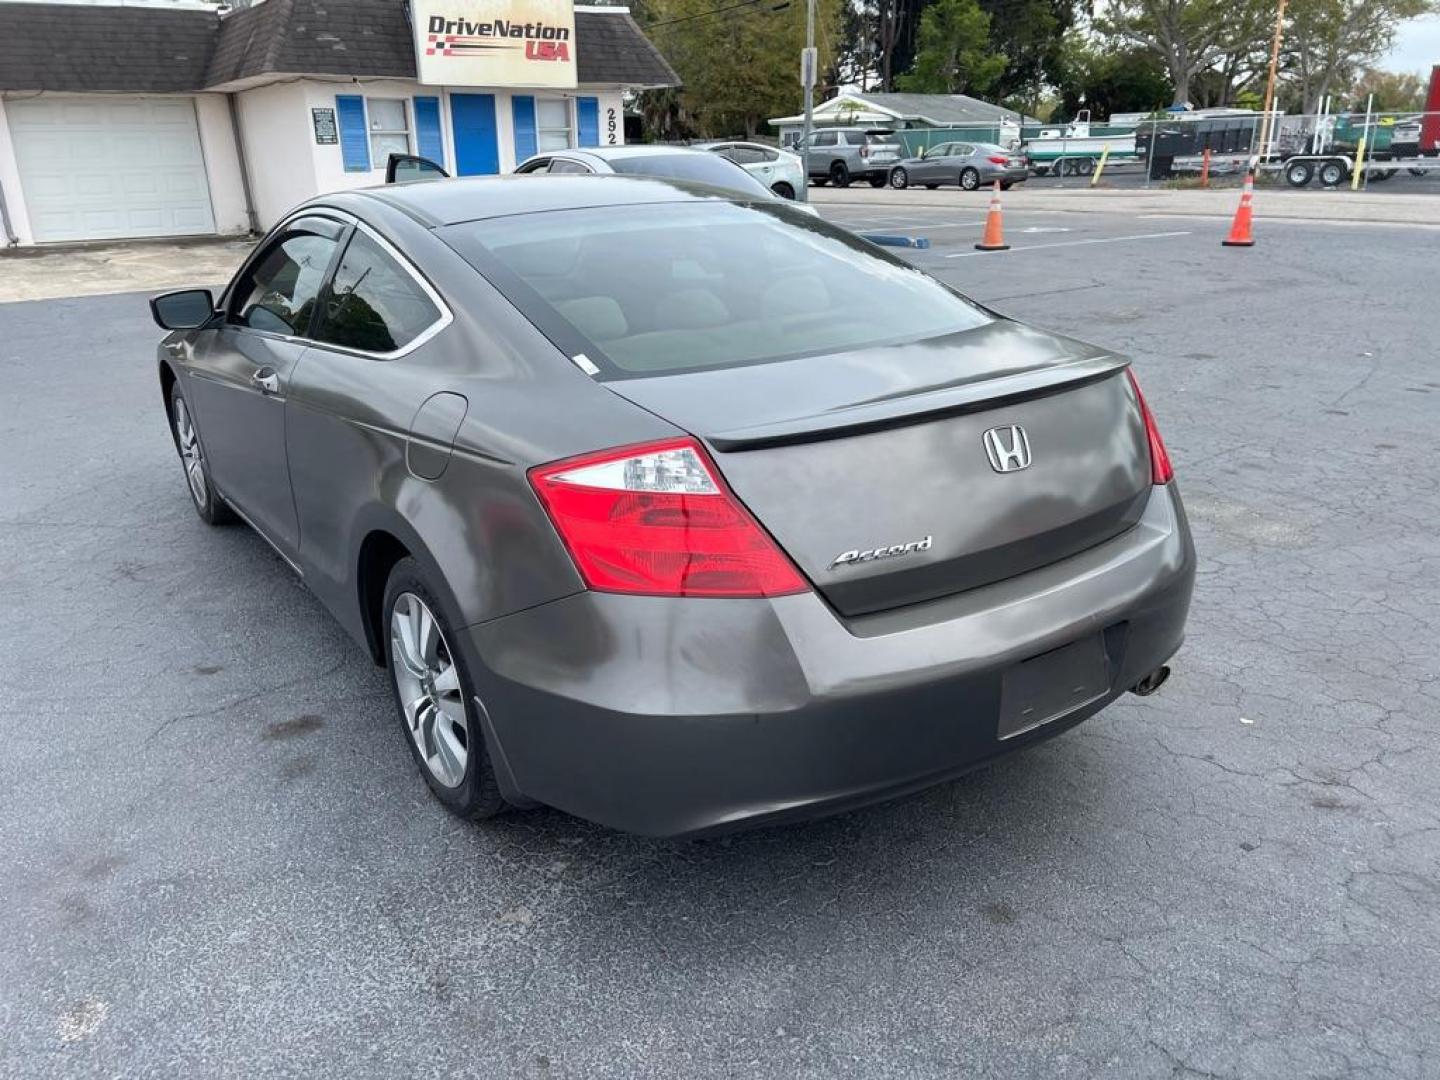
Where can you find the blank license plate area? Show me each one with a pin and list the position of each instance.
(1046, 687)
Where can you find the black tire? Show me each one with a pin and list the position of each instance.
(477, 795)
(970, 178)
(1299, 173)
(1006, 185)
(819, 181)
(1414, 171)
(213, 509)
(1378, 175)
(877, 181)
(840, 174)
(1332, 173)
(931, 187)
(899, 178)
(784, 190)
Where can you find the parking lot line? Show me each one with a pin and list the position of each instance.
(1073, 243)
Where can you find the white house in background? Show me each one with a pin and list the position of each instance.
(853, 108)
(122, 120)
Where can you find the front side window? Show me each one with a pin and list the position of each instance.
(552, 123)
(278, 293)
(660, 288)
(825, 138)
(389, 127)
(374, 305)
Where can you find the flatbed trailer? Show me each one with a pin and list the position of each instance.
(1331, 168)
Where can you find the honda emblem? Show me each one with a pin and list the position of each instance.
(1008, 448)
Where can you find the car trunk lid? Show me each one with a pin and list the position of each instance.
(874, 471)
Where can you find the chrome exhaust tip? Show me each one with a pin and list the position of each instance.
(1152, 682)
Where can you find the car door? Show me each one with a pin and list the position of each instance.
(364, 414)
(928, 170)
(959, 160)
(408, 168)
(240, 375)
(820, 153)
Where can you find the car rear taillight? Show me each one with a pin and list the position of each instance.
(657, 519)
(1161, 471)
(996, 160)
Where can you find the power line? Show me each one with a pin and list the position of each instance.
(720, 11)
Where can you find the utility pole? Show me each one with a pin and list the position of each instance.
(808, 63)
(1265, 123)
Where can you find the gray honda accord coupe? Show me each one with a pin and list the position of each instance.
(676, 510)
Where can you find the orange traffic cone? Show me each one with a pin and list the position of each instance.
(994, 238)
(1240, 232)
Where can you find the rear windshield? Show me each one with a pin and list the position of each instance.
(658, 288)
(700, 167)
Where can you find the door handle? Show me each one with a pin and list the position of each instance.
(266, 379)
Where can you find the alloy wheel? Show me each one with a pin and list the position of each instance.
(428, 685)
(191, 456)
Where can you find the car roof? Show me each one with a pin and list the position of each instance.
(451, 201)
(616, 153)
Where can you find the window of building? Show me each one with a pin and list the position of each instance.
(389, 129)
(552, 122)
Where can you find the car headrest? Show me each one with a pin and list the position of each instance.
(693, 309)
(597, 317)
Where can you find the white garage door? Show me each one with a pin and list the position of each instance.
(97, 168)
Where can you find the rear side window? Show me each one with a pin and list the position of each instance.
(660, 288)
(699, 166)
(374, 304)
(825, 138)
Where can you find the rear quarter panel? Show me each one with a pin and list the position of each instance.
(477, 528)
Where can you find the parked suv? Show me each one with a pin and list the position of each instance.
(839, 155)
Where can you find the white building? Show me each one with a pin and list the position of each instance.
(901, 112)
(140, 120)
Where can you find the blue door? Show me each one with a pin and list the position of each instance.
(477, 149)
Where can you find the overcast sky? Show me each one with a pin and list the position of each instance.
(1417, 46)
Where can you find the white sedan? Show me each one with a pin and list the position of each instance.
(779, 170)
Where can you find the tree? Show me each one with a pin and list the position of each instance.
(1395, 91)
(952, 53)
(738, 67)
(1328, 42)
(1107, 81)
(1030, 34)
(1188, 36)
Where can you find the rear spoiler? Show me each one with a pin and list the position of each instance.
(921, 407)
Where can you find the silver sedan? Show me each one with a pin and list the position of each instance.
(970, 165)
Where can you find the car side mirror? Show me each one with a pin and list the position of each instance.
(184, 309)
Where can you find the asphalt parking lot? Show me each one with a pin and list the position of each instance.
(217, 858)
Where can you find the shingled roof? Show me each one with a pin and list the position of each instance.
(80, 48)
(152, 50)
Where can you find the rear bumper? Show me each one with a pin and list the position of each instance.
(670, 717)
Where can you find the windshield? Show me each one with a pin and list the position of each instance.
(701, 167)
(658, 288)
